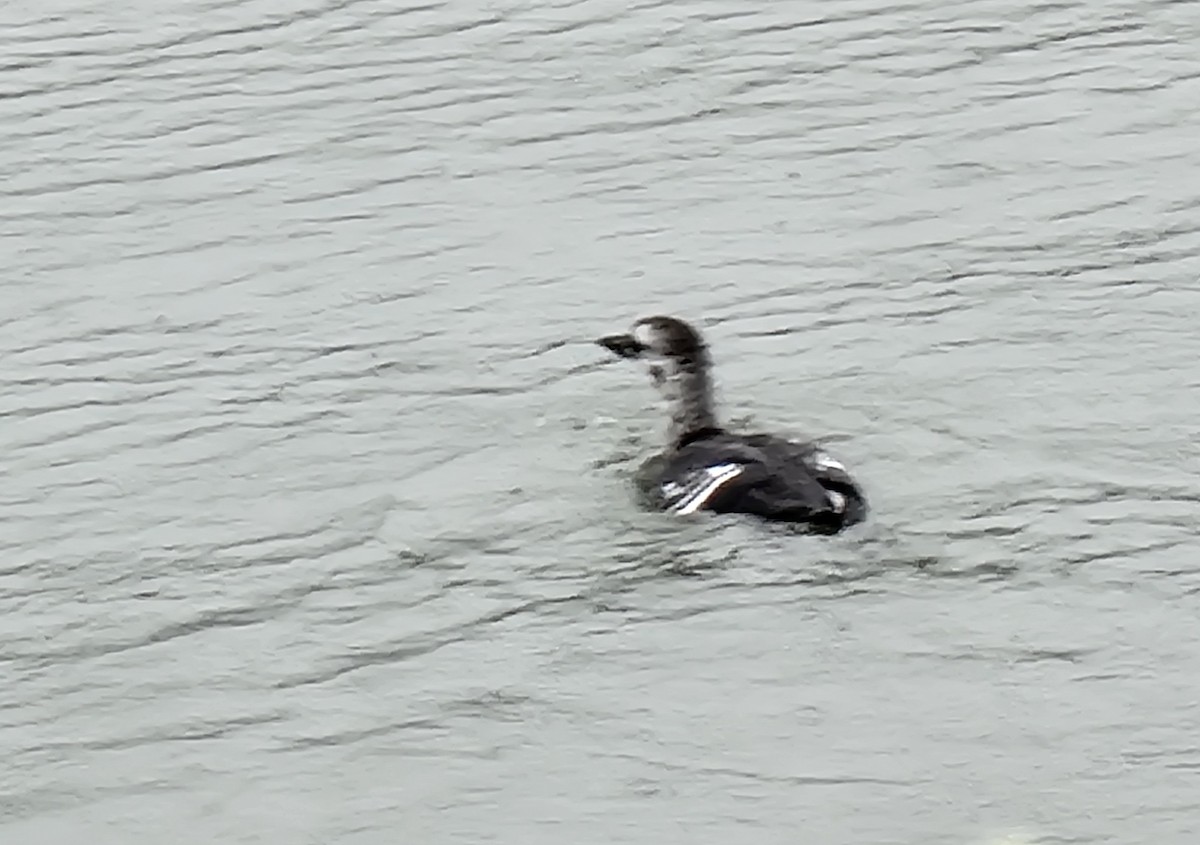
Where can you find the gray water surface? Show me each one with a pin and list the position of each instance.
(316, 523)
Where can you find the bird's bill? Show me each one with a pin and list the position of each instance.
(624, 345)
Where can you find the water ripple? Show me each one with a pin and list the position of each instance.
(311, 465)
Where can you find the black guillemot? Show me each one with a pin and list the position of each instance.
(707, 467)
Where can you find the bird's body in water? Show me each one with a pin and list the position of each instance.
(706, 467)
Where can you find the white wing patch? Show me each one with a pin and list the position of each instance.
(700, 487)
(823, 460)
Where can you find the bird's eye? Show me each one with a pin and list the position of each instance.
(656, 375)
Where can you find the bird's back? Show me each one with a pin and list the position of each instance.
(760, 474)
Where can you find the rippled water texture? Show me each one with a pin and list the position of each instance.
(316, 518)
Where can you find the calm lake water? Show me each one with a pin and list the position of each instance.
(316, 518)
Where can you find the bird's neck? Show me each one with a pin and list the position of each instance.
(689, 395)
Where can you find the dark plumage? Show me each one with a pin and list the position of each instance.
(706, 467)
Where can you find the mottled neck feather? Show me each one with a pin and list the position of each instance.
(690, 400)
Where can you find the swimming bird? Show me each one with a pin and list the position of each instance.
(707, 467)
